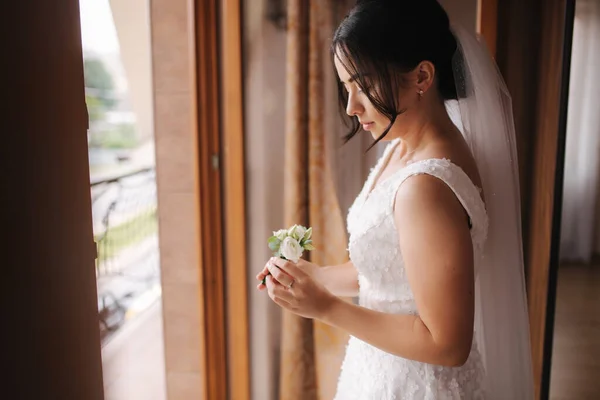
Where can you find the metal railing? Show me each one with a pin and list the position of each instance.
(124, 209)
(125, 220)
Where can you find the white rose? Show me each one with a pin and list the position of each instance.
(291, 249)
(280, 234)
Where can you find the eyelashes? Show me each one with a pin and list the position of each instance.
(368, 89)
(359, 90)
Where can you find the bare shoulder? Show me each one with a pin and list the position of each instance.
(428, 202)
(425, 193)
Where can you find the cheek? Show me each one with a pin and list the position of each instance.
(407, 98)
(374, 115)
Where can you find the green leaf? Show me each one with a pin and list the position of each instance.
(309, 247)
(307, 234)
(274, 243)
(292, 230)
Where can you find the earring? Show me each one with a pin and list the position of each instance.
(420, 92)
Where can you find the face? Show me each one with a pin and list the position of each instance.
(359, 105)
(370, 118)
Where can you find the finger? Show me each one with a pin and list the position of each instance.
(272, 284)
(279, 275)
(290, 268)
(278, 293)
(263, 282)
(283, 293)
(265, 271)
(261, 277)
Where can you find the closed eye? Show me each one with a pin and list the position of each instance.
(367, 89)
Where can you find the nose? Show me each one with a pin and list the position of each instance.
(354, 107)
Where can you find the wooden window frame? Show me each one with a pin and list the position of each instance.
(221, 188)
(545, 206)
(236, 270)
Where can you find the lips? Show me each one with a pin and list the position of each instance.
(367, 125)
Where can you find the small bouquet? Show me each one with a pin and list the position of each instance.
(289, 244)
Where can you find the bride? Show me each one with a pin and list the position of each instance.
(435, 237)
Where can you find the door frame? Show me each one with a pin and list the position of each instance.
(547, 169)
(234, 201)
(213, 330)
(221, 176)
(487, 23)
(569, 21)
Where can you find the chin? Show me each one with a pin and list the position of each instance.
(376, 135)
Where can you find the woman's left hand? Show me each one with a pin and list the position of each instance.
(299, 294)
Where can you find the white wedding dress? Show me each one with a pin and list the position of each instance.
(367, 372)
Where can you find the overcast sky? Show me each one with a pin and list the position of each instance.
(97, 27)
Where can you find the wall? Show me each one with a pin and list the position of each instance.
(176, 159)
(132, 22)
(463, 12)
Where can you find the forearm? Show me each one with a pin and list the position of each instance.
(403, 335)
(341, 280)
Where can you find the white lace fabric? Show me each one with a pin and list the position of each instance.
(367, 372)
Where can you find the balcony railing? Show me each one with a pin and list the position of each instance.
(124, 209)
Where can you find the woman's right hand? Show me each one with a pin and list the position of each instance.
(308, 267)
(261, 277)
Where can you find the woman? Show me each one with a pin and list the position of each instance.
(435, 240)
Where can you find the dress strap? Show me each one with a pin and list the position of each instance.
(457, 180)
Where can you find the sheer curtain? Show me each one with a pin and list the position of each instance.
(581, 206)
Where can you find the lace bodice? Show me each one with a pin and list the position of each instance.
(367, 372)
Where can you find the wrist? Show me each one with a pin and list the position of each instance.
(329, 307)
(318, 275)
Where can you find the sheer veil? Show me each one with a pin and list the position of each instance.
(484, 113)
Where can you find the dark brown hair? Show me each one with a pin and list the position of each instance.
(381, 40)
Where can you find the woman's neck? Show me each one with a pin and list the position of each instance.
(416, 131)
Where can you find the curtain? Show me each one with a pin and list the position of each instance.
(581, 212)
(312, 352)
